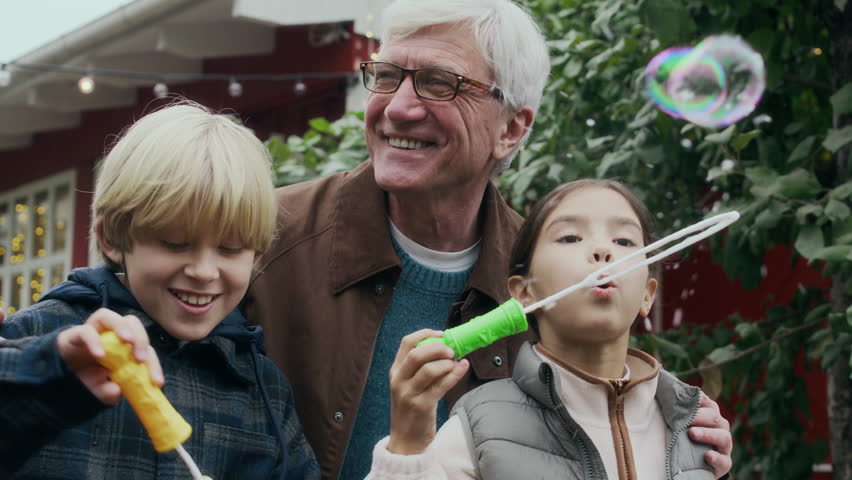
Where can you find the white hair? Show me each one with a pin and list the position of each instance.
(505, 35)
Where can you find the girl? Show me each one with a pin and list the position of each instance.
(580, 403)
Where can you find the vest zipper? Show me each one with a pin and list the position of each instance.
(672, 442)
(548, 380)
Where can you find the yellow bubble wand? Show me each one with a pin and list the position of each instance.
(166, 427)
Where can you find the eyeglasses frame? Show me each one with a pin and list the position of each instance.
(491, 89)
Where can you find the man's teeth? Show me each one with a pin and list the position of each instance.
(193, 299)
(406, 143)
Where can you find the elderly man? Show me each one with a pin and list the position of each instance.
(417, 237)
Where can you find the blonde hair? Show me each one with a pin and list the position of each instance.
(186, 165)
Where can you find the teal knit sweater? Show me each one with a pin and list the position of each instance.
(421, 299)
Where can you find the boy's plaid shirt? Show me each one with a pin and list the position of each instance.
(51, 427)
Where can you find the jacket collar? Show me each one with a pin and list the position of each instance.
(678, 401)
(98, 287)
(361, 243)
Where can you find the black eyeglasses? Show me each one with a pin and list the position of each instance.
(429, 83)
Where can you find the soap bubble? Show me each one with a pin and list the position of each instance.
(715, 84)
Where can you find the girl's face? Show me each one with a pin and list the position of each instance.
(589, 229)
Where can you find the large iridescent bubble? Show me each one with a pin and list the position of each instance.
(715, 84)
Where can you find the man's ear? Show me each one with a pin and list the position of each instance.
(111, 252)
(513, 131)
(519, 289)
(648, 299)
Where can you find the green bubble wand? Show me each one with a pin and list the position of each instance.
(510, 317)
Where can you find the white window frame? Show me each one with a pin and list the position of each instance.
(8, 270)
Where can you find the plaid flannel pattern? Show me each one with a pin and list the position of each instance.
(51, 427)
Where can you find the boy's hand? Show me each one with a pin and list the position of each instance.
(419, 378)
(710, 427)
(80, 347)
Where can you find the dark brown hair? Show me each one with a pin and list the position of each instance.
(522, 250)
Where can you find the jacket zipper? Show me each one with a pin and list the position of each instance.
(672, 442)
(358, 405)
(587, 461)
(619, 417)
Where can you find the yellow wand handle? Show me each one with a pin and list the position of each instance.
(164, 424)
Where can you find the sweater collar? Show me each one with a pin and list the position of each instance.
(361, 242)
(587, 396)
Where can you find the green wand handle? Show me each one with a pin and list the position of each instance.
(507, 319)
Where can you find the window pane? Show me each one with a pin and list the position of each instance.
(62, 218)
(40, 207)
(20, 223)
(17, 293)
(37, 286)
(57, 275)
(4, 233)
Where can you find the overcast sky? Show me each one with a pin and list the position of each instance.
(28, 24)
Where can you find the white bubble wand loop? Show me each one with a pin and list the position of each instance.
(712, 225)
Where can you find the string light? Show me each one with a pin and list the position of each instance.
(235, 82)
(300, 88)
(5, 76)
(86, 84)
(235, 88)
(817, 51)
(161, 89)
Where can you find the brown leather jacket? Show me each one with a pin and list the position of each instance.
(322, 289)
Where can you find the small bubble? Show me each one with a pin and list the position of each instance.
(686, 143)
(716, 206)
(684, 294)
(675, 266)
(569, 156)
(727, 165)
(691, 292)
(678, 317)
(726, 196)
(659, 214)
(590, 122)
(694, 277)
(648, 326)
(676, 223)
(669, 195)
(763, 271)
(714, 188)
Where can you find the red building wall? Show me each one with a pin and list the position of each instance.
(265, 106)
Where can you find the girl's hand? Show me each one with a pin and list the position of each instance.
(80, 347)
(419, 378)
(710, 427)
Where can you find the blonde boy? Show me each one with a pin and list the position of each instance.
(183, 206)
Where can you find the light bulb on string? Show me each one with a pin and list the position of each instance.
(86, 84)
(5, 76)
(235, 88)
(161, 89)
(300, 88)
